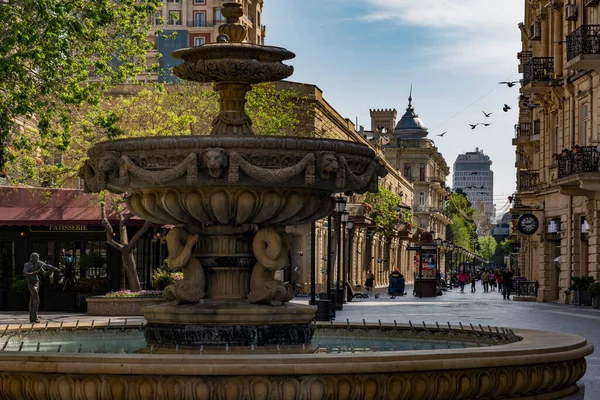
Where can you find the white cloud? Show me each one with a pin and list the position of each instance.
(467, 32)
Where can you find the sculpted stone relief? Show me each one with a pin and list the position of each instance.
(181, 256)
(548, 381)
(215, 160)
(270, 248)
(277, 168)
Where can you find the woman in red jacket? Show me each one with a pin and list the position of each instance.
(462, 280)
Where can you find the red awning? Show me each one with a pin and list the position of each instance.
(42, 206)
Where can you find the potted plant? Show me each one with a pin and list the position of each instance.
(576, 148)
(579, 286)
(565, 152)
(161, 278)
(594, 291)
(88, 286)
(17, 297)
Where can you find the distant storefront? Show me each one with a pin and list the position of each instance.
(64, 227)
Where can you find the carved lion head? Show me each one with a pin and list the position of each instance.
(109, 162)
(328, 165)
(215, 160)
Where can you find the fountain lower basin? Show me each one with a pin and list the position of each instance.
(539, 364)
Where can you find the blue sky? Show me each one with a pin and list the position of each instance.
(366, 54)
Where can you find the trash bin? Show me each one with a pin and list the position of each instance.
(323, 296)
(323, 310)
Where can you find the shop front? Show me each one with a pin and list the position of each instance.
(64, 227)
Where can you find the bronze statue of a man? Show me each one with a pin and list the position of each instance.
(32, 268)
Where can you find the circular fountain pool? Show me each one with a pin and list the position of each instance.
(348, 361)
(350, 339)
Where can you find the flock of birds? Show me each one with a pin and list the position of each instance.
(505, 108)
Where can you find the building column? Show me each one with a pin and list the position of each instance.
(557, 14)
(594, 239)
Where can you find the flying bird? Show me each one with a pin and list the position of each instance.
(474, 173)
(509, 84)
(505, 108)
(487, 114)
(483, 187)
(485, 124)
(473, 126)
(442, 134)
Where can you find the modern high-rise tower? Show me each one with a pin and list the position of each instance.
(473, 175)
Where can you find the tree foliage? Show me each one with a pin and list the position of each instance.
(487, 247)
(462, 228)
(183, 109)
(506, 246)
(385, 213)
(57, 55)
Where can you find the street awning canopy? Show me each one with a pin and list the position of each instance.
(43, 206)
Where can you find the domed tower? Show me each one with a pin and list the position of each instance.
(410, 126)
(417, 158)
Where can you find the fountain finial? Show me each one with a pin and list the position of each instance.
(233, 28)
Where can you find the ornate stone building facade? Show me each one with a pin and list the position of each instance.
(408, 149)
(556, 141)
(370, 250)
(187, 23)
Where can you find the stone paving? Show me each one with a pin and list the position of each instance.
(454, 307)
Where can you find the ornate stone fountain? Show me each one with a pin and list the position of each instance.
(230, 195)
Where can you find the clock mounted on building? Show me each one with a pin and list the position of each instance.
(528, 224)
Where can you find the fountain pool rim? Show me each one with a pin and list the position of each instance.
(542, 365)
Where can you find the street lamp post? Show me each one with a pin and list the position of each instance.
(350, 227)
(451, 249)
(329, 258)
(340, 207)
(438, 244)
(343, 247)
(313, 263)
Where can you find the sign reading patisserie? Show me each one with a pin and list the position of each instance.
(67, 228)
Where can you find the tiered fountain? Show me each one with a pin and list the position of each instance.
(230, 196)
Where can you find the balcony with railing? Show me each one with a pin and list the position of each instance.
(578, 170)
(523, 57)
(583, 48)
(537, 74)
(523, 133)
(529, 180)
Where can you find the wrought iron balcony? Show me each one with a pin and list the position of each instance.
(583, 48)
(580, 160)
(537, 74)
(524, 56)
(523, 133)
(524, 129)
(529, 180)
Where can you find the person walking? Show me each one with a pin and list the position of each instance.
(492, 276)
(507, 277)
(370, 281)
(499, 279)
(485, 280)
(473, 281)
(31, 270)
(462, 280)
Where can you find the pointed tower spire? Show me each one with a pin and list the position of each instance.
(410, 97)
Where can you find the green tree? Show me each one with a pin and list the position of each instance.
(57, 55)
(487, 245)
(462, 228)
(183, 109)
(385, 211)
(506, 247)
